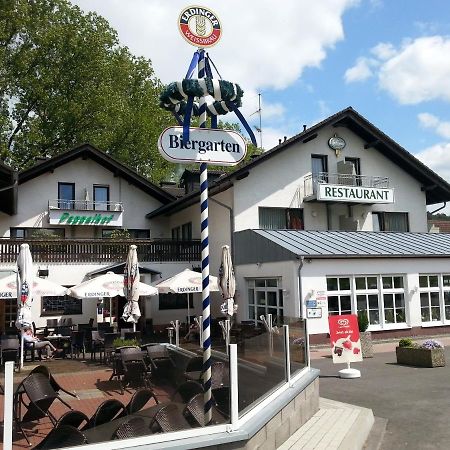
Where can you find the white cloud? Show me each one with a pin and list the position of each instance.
(360, 71)
(420, 71)
(264, 44)
(437, 158)
(431, 121)
(384, 50)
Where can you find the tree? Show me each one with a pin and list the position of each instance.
(65, 80)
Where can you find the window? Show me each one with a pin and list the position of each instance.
(176, 233)
(430, 306)
(61, 305)
(66, 195)
(390, 221)
(280, 218)
(101, 198)
(382, 297)
(265, 296)
(183, 232)
(139, 234)
(175, 301)
(356, 165)
(36, 233)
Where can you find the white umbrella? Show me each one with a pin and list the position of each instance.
(186, 282)
(40, 287)
(108, 285)
(24, 293)
(131, 312)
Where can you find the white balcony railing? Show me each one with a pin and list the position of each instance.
(84, 205)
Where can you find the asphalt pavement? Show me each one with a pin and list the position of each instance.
(415, 401)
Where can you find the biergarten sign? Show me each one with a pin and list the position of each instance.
(199, 26)
(212, 146)
(358, 194)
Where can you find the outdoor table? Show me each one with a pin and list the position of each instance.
(104, 432)
(60, 341)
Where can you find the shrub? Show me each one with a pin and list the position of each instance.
(299, 341)
(406, 342)
(363, 321)
(120, 342)
(431, 344)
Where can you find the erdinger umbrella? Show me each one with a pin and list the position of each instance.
(40, 287)
(131, 312)
(108, 285)
(24, 292)
(186, 282)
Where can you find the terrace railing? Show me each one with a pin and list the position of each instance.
(100, 250)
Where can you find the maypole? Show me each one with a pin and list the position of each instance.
(186, 144)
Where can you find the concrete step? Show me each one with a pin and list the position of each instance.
(336, 426)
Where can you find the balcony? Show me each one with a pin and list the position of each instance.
(85, 213)
(100, 250)
(345, 188)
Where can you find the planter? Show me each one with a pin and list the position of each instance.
(297, 353)
(366, 344)
(420, 357)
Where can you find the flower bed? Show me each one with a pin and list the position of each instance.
(429, 354)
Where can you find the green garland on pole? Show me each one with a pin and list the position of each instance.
(174, 96)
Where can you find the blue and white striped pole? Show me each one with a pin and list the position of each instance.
(205, 253)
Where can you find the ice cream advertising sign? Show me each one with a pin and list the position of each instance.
(344, 336)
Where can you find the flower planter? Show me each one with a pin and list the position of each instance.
(297, 353)
(366, 344)
(420, 357)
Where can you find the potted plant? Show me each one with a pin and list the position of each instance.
(364, 335)
(121, 342)
(428, 354)
(298, 350)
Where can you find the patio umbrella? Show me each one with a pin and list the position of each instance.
(186, 282)
(108, 285)
(24, 293)
(131, 312)
(227, 284)
(40, 287)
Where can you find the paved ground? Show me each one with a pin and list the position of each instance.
(416, 401)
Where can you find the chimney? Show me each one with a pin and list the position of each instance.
(279, 141)
(304, 127)
(285, 138)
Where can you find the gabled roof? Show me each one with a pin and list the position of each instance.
(261, 246)
(436, 188)
(86, 151)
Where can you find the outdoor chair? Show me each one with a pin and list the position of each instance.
(29, 349)
(159, 357)
(9, 350)
(169, 418)
(107, 346)
(105, 412)
(63, 330)
(219, 375)
(62, 436)
(73, 418)
(140, 398)
(131, 428)
(77, 344)
(194, 368)
(221, 397)
(135, 370)
(195, 412)
(105, 327)
(186, 391)
(133, 335)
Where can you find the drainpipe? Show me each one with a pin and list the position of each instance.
(300, 290)
(230, 210)
(439, 209)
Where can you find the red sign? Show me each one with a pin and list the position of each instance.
(344, 336)
(199, 26)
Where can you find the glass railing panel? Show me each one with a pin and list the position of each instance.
(297, 344)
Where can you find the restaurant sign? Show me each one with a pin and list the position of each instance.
(356, 194)
(76, 218)
(221, 147)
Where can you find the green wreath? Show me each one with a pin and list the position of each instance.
(174, 96)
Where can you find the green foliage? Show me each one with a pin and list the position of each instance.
(406, 342)
(120, 234)
(65, 80)
(44, 234)
(363, 321)
(121, 342)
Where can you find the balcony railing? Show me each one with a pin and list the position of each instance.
(100, 251)
(84, 205)
(311, 181)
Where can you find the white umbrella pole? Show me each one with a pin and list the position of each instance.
(189, 313)
(22, 341)
(110, 311)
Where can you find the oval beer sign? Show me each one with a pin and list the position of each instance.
(221, 147)
(199, 26)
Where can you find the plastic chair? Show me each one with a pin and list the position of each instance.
(131, 428)
(62, 436)
(105, 412)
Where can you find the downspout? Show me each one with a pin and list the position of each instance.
(439, 209)
(230, 210)
(300, 290)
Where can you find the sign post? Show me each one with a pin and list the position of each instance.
(345, 343)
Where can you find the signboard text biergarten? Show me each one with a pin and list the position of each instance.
(226, 148)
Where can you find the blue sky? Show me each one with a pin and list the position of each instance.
(388, 59)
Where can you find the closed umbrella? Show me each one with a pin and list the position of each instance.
(24, 292)
(131, 312)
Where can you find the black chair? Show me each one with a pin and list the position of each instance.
(194, 368)
(107, 346)
(221, 398)
(62, 436)
(9, 349)
(219, 375)
(169, 418)
(105, 327)
(131, 428)
(186, 391)
(159, 357)
(140, 398)
(105, 412)
(73, 418)
(195, 412)
(77, 344)
(63, 330)
(133, 335)
(135, 370)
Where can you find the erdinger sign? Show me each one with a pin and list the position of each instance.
(225, 148)
(344, 337)
(199, 26)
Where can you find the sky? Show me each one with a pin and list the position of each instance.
(388, 59)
